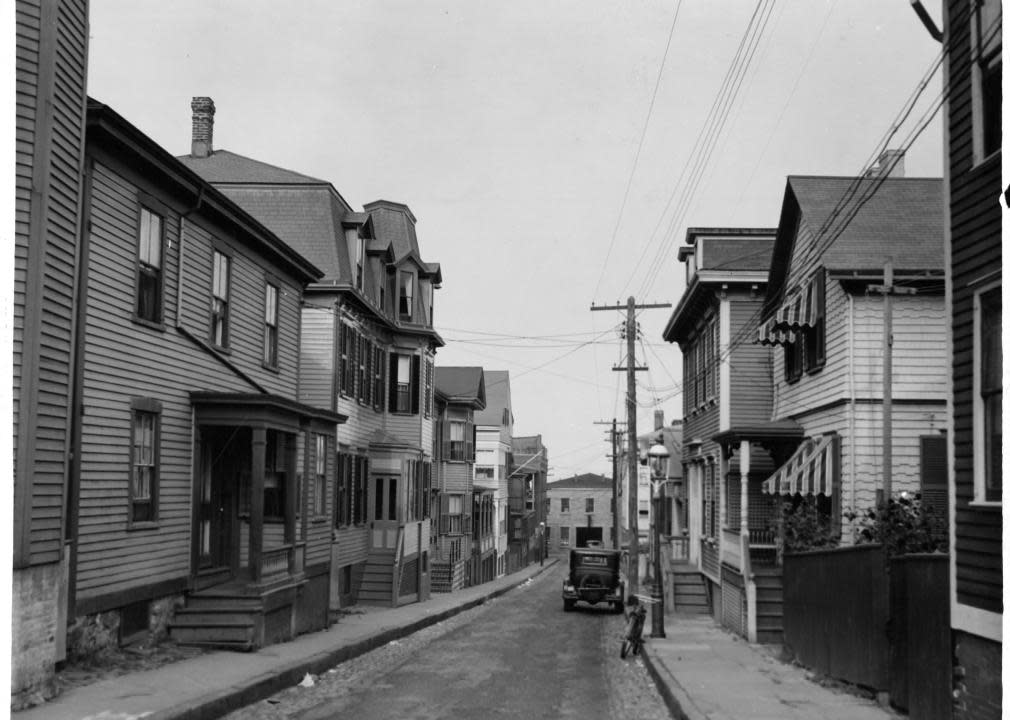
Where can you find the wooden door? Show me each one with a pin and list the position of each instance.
(221, 470)
(384, 511)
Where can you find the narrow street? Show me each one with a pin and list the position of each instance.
(520, 655)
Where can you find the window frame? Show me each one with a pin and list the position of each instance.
(566, 505)
(144, 407)
(981, 440)
(590, 505)
(405, 294)
(150, 206)
(271, 333)
(319, 476)
(457, 448)
(564, 536)
(985, 67)
(815, 338)
(220, 317)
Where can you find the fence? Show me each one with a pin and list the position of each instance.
(835, 610)
(847, 616)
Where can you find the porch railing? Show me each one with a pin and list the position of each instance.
(277, 561)
(679, 548)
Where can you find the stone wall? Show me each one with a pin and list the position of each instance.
(978, 666)
(35, 612)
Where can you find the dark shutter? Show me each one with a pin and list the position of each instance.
(392, 365)
(933, 473)
(415, 383)
(443, 512)
(469, 439)
(446, 437)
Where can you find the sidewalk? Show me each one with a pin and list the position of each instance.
(706, 673)
(216, 683)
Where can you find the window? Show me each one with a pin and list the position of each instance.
(270, 317)
(547, 505)
(361, 385)
(342, 490)
(564, 505)
(219, 299)
(813, 337)
(565, 536)
(406, 296)
(988, 415)
(360, 490)
(429, 374)
(150, 244)
(589, 505)
(403, 383)
(987, 77)
(144, 456)
(457, 432)
(793, 354)
(346, 375)
(319, 477)
(359, 278)
(484, 472)
(275, 476)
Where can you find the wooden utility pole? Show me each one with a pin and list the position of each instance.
(614, 439)
(631, 332)
(887, 290)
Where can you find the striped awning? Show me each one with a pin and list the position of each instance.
(810, 470)
(799, 311)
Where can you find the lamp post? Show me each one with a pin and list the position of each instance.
(659, 456)
(543, 542)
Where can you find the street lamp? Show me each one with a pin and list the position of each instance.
(659, 456)
(543, 542)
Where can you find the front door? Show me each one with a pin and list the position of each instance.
(222, 463)
(385, 519)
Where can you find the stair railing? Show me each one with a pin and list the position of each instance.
(397, 568)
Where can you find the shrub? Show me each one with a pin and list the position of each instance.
(903, 525)
(804, 526)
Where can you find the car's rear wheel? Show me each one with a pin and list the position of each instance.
(569, 605)
(619, 608)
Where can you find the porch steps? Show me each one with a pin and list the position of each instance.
(690, 594)
(769, 604)
(219, 628)
(377, 580)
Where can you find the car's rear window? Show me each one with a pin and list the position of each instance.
(593, 560)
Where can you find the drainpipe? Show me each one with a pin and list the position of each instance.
(852, 407)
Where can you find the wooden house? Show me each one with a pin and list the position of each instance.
(459, 392)
(494, 462)
(367, 352)
(727, 384)
(527, 498)
(51, 57)
(197, 476)
(973, 256)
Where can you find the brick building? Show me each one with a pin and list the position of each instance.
(580, 509)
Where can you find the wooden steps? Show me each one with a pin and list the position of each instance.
(769, 604)
(377, 580)
(690, 594)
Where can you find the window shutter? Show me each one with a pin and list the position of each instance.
(392, 365)
(933, 473)
(467, 513)
(443, 512)
(468, 433)
(446, 436)
(415, 383)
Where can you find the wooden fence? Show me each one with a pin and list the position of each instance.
(850, 617)
(835, 610)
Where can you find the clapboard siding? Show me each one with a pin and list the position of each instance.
(457, 477)
(352, 545)
(317, 361)
(125, 360)
(976, 251)
(50, 60)
(750, 366)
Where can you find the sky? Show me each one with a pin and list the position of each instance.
(554, 153)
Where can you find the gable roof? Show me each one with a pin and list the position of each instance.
(498, 395)
(461, 384)
(902, 219)
(585, 481)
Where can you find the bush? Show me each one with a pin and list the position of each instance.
(804, 526)
(903, 526)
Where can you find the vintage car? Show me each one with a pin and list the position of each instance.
(594, 576)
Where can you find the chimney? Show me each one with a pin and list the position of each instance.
(657, 420)
(891, 163)
(203, 127)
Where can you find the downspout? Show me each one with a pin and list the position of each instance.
(852, 404)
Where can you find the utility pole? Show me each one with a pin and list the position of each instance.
(614, 439)
(631, 330)
(887, 290)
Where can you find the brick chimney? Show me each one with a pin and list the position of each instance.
(890, 163)
(203, 127)
(657, 420)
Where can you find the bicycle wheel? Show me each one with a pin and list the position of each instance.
(625, 646)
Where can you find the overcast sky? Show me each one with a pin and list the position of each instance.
(512, 129)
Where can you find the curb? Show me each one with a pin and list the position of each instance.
(216, 704)
(676, 698)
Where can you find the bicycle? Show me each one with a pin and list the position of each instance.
(632, 641)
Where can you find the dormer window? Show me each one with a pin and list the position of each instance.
(406, 296)
(359, 280)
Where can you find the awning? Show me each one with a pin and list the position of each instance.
(799, 311)
(810, 470)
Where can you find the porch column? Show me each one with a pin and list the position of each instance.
(744, 499)
(290, 490)
(259, 455)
